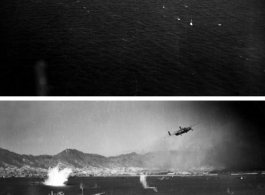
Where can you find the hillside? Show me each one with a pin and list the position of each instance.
(94, 164)
(68, 157)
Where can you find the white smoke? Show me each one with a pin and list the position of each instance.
(57, 177)
(145, 184)
(143, 181)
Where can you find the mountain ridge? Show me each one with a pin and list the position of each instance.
(71, 157)
(159, 160)
(78, 159)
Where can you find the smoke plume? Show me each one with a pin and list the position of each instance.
(57, 177)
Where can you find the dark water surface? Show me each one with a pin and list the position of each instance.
(134, 47)
(131, 185)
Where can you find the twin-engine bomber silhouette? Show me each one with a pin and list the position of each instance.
(182, 130)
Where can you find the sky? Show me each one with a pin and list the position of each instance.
(228, 132)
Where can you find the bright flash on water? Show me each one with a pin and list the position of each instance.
(191, 22)
(57, 177)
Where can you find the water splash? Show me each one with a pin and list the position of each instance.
(145, 184)
(82, 187)
(57, 177)
(229, 192)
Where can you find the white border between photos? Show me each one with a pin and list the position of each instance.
(113, 98)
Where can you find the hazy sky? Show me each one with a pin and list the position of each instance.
(115, 127)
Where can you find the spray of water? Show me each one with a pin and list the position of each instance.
(145, 184)
(81, 187)
(57, 177)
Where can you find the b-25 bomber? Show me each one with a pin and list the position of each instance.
(182, 130)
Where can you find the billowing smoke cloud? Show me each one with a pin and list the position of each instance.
(57, 177)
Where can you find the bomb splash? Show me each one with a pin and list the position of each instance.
(145, 184)
(57, 177)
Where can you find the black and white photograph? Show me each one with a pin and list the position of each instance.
(132, 147)
(132, 48)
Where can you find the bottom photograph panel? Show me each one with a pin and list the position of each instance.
(132, 147)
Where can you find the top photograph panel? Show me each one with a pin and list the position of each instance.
(133, 48)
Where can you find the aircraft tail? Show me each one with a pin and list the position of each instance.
(169, 133)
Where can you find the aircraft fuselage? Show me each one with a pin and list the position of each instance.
(184, 130)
